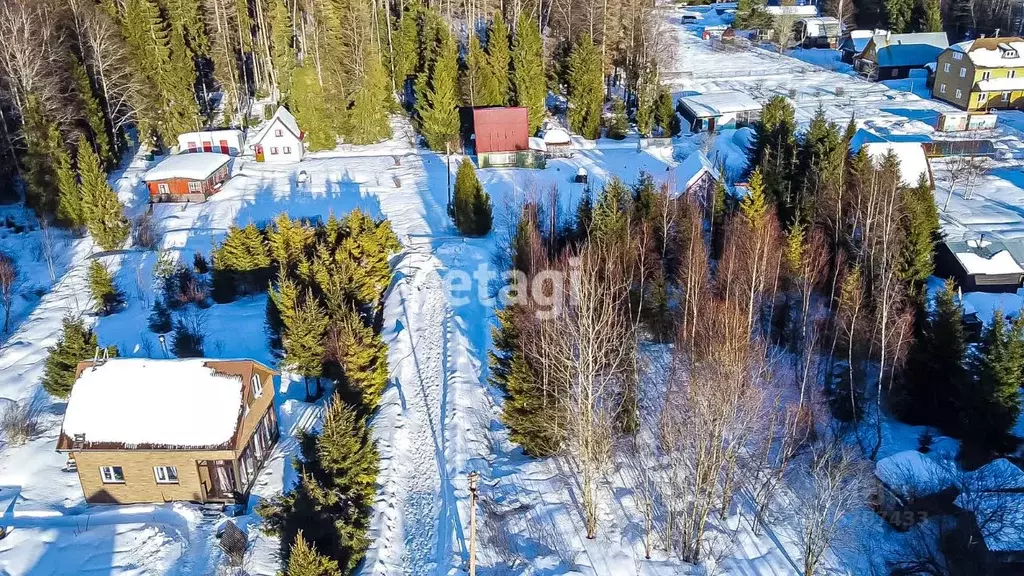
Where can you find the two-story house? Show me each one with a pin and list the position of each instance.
(144, 430)
(892, 56)
(982, 74)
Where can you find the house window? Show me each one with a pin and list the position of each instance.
(287, 149)
(273, 150)
(191, 146)
(963, 72)
(982, 97)
(945, 67)
(1011, 74)
(942, 88)
(112, 474)
(257, 386)
(278, 133)
(959, 94)
(163, 188)
(986, 75)
(166, 474)
(194, 186)
(958, 56)
(1006, 96)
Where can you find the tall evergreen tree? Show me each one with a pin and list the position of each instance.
(529, 83)
(70, 209)
(283, 53)
(42, 143)
(932, 16)
(93, 112)
(586, 88)
(472, 205)
(371, 103)
(304, 560)
(438, 109)
(665, 114)
(775, 153)
(922, 226)
(993, 406)
(898, 13)
(75, 344)
(499, 59)
(529, 416)
(244, 257)
(103, 211)
(311, 109)
(303, 340)
(362, 355)
(481, 85)
(105, 294)
(610, 219)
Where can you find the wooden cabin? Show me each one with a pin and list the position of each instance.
(187, 177)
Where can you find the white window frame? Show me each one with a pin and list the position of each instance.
(959, 94)
(109, 474)
(963, 72)
(287, 149)
(256, 385)
(1006, 96)
(273, 150)
(163, 188)
(195, 186)
(164, 474)
(958, 55)
(945, 67)
(942, 88)
(278, 133)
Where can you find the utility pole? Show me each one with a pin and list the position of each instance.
(473, 478)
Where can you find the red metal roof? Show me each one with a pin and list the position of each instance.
(501, 129)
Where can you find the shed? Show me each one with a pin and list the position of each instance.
(892, 56)
(719, 110)
(557, 142)
(230, 142)
(695, 175)
(854, 42)
(279, 140)
(820, 32)
(995, 522)
(187, 177)
(911, 483)
(500, 134)
(979, 265)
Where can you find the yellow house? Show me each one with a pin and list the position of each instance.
(144, 430)
(982, 74)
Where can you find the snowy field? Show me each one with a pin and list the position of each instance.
(438, 419)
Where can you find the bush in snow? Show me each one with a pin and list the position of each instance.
(76, 343)
(145, 232)
(618, 125)
(184, 287)
(188, 338)
(472, 205)
(304, 560)
(160, 318)
(105, 294)
(241, 264)
(20, 421)
(331, 503)
(199, 264)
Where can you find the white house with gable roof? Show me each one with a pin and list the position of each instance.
(279, 140)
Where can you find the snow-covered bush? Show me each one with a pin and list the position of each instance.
(19, 421)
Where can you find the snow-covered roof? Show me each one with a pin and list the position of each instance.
(912, 157)
(999, 474)
(283, 118)
(556, 136)
(822, 26)
(139, 401)
(913, 474)
(537, 144)
(909, 49)
(225, 134)
(993, 52)
(719, 103)
(1001, 84)
(981, 257)
(194, 166)
(1000, 517)
(692, 169)
(792, 10)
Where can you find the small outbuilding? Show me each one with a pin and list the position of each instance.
(230, 142)
(187, 177)
(822, 32)
(557, 142)
(854, 42)
(892, 56)
(979, 265)
(501, 136)
(912, 485)
(279, 140)
(695, 175)
(992, 530)
(719, 110)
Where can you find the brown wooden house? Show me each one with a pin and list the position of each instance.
(144, 430)
(187, 177)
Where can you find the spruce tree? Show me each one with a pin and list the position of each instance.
(505, 342)
(244, 259)
(775, 153)
(754, 205)
(529, 416)
(331, 503)
(932, 17)
(371, 104)
(304, 560)
(160, 320)
(70, 209)
(481, 85)
(586, 88)
(287, 240)
(922, 226)
(42, 145)
(498, 60)
(665, 114)
(472, 205)
(93, 113)
(529, 84)
(438, 108)
(610, 218)
(105, 294)
(103, 211)
(619, 124)
(936, 384)
(310, 108)
(405, 39)
(188, 339)
(303, 340)
(992, 408)
(282, 54)
(898, 13)
(75, 344)
(646, 100)
(362, 356)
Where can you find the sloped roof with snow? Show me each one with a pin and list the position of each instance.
(993, 52)
(161, 403)
(193, 166)
(281, 118)
(984, 257)
(715, 104)
(999, 474)
(692, 169)
(1000, 517)
(912, 157)
(913, 474)
(556, 136)
(909, 49)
